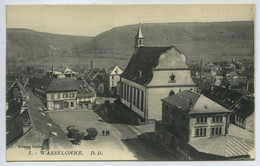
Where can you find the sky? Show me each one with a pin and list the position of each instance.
(91, 20)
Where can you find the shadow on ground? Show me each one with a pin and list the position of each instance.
(108, 115)
(146, 147)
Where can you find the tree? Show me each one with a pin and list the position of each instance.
(92, 133)
(75, 134)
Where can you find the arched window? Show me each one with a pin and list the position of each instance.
(171, 93)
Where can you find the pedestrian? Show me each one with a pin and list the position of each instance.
(103, 132)
(108, 132)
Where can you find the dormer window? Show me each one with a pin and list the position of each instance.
(172, 78)
(140, 73)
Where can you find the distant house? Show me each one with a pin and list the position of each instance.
(153, 73)
(240, 103)
(193, 127)
(244, 114)
(98, 80)
(86, 96)
(114, 76)
(62, 72)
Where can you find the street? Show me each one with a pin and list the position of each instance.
(124, 142)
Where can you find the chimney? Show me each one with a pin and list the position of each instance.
(201, 69)
(52, 70)
(247, 85)
(190, 103)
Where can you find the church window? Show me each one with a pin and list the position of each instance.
(140, 73)
(172, 78)
(142, 100)
(138, 97)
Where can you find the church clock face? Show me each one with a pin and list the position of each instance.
(172, 78)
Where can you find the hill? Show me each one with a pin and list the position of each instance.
(209, 41)
(25, 44)
(196, 40)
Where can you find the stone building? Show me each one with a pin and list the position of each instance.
(153, 73)
(193, 127)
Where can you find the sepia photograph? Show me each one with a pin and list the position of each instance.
(130, 82)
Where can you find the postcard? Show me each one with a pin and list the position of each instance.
(114, 82)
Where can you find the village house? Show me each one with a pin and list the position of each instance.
(114, 76)
(17, 119)
(193, 127)
(25, 119)
(66, 93)
(239, 102)
(86, 95)
(98, 80)
(153, 73)
(61, 94)
(62, 72)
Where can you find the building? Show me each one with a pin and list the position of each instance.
(239, 102)
(28, 125)
(61, 94)
(114, 76)
(193, 116)
(86, 96)
(98, 80)
(153, 73)
(62, 72)
(66, 93)
(193, 127)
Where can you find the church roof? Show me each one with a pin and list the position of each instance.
(144, 60)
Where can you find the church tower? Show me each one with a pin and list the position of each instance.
(139, 38)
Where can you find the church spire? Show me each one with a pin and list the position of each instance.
(139, 38)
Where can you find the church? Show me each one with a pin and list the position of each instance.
(153, 73)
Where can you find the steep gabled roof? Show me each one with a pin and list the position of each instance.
(141, 65)
(113, 67)
(84, 89)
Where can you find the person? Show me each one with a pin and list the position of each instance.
(107, 132)
(103, 132)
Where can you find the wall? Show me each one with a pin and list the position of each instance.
(250, 123)
(194, 125)
(130, 103)
(162, 78)
(154, 99)
(113, 79)
(176, 120)
(50, 102)
(240, 122)
(180, 149)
